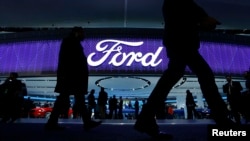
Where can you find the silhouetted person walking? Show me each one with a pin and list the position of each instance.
(137, 107)
(91, 102)
(120, 108)
(102, 102)
(28, 105)
(183, 19)
(190, 104)
(246, 98)
(12, 101)
(113, 107)
(72, 79)
(233, 90)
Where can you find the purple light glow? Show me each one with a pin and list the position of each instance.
(40, 57)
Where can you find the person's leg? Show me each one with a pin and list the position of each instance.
(146, 119)
(101, 111)
(208, 87)
(195, 113)
(111, 111)
(76, 113)
(189, 113)
(80, 103)
(120, 114)
(115, 113)
(235, 112)
(7, 111)
(59, 105)
(90, 110)
(166, 82)
(16, 111)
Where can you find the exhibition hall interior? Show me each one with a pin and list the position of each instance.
(125, 56)
(124, 50)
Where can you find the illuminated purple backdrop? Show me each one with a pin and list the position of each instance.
(40, 57)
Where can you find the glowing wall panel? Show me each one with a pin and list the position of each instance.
(32, 57)
(148, 56)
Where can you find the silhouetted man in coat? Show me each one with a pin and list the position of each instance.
(183, 19)
(12, 98)
(72, 79)
(233, 90)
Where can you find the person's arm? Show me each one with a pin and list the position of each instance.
(206, 22)
(225, 90)
(239, 86)
(199, 12)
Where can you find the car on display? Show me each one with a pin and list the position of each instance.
(44, 112)
(202, 113)
(40, 112)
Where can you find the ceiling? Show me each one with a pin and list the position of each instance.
(128, 87)
(233, 14)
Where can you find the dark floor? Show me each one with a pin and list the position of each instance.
(110, 130)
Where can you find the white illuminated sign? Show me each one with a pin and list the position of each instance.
(113, 49)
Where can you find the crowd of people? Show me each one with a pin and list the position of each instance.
(102, 107)
(15, 106)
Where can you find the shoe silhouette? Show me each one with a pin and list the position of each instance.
(152, 130)
(54, 127)
(91, 124)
